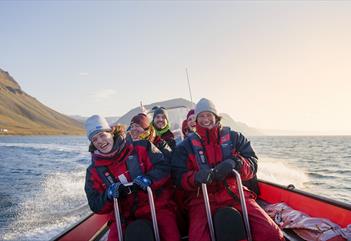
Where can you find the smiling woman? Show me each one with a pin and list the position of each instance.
(118, 161)
(103, 141)
(140, 127)
(99, 133)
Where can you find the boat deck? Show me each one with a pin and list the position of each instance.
(95, 227)
(289, 235)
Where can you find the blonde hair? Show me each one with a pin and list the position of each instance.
(118, 130)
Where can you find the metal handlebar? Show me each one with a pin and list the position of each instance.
(153, 214)
(208, 211)
(243, 205)
(118, 219)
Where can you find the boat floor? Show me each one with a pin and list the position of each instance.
(289, 235)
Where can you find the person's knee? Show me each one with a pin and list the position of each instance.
(269, 234)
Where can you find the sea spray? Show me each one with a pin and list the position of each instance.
(279, 171)
(60, 202)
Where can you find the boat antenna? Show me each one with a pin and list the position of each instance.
(142, 108)
(187, 76)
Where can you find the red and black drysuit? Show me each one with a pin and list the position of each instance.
(163, 146)
(218, 144)
(129, 160)
(168, 136)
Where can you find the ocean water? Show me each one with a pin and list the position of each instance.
(42, 178)
(42, 185)
(316, 164)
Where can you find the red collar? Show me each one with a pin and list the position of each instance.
(100, 159)
(208, 135)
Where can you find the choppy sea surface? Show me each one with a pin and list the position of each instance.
(42, 178)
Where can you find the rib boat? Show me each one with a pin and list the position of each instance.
(94, 227)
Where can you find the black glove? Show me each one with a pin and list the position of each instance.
(204, 176)
(223, 169)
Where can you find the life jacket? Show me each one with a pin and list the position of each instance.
(133, 167)
(228, 151)
(226, 142)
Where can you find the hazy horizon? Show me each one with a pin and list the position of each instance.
(270, 65)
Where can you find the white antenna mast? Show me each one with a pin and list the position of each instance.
(187, 76)
(142, 108)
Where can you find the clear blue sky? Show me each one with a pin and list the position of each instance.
(277, 65)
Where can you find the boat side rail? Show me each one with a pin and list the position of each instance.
(291, 188)
(308, 203)
(87, 223)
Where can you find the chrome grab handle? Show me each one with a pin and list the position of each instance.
(153, 214)
(243, 205)
(118, 219)
(208, 211)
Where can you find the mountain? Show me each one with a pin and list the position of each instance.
(239, 126)
(177, 111)
(176, 108)
(110, 119)
(22, 114)
(79, 118)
